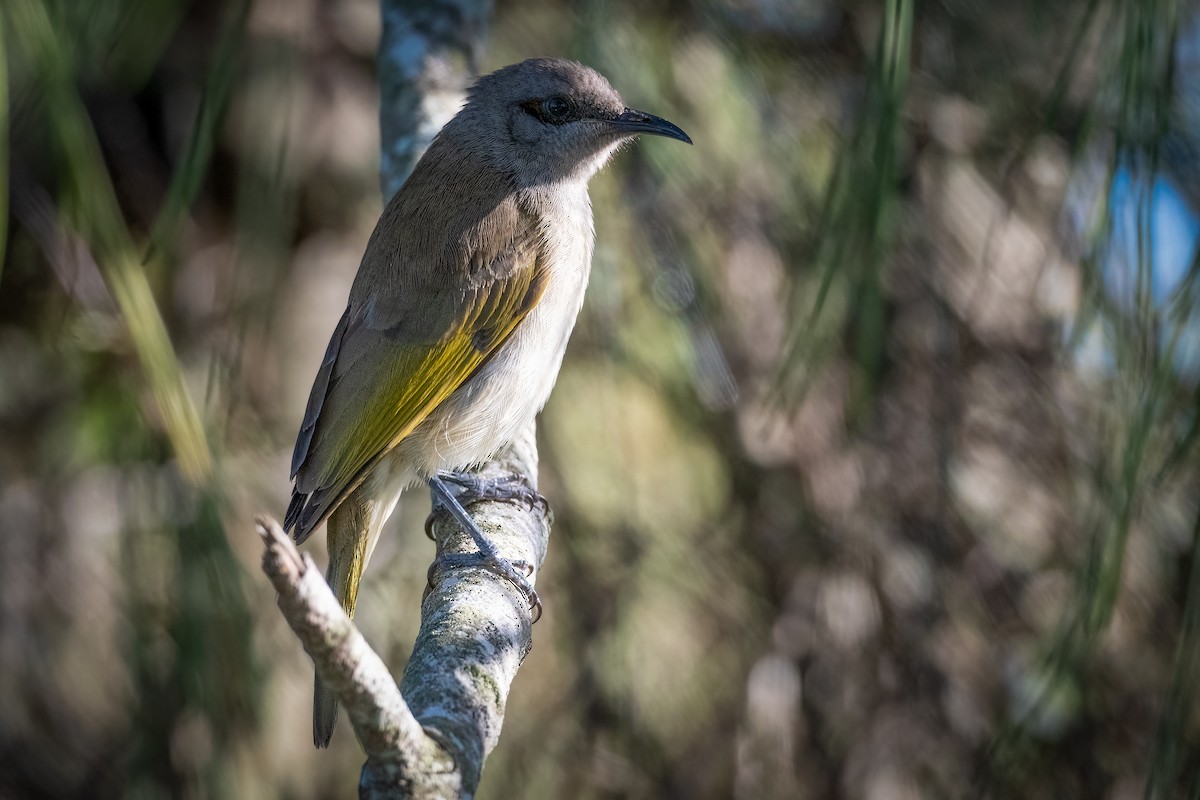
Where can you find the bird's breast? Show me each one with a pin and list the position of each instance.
(501, 400)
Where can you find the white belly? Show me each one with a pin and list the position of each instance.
(502, 399)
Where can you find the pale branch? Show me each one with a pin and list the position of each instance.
(342, 656)
(429, 737)
(476, 627)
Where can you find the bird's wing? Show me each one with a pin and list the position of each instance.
(402, 352)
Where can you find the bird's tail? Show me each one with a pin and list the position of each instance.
(352, 532)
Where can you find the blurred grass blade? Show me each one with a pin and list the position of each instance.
(214, 101)
(1184, 306)
(90, 205)
(4, 145)
(1179, 702)
(858, 221)
(182, 578)
(1141, 337)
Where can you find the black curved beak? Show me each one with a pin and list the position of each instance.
(635, 121)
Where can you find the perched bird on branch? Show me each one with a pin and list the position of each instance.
(459, 316)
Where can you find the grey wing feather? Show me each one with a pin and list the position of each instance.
(316, 397)
(316, 401)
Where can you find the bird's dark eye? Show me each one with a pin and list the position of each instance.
(556, 109)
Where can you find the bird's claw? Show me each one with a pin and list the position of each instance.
(515, 572)
(511, 488)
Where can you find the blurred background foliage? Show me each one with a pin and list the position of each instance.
(873, 458)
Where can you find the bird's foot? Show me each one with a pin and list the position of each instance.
(471, 488)
(515, 572)
(488, 557)
(511, 488)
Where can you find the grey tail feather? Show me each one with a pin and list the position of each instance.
(325, 713)
(294, 509)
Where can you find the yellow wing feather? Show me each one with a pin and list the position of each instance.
(419, 381)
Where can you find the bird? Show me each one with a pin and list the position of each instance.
(459, 316)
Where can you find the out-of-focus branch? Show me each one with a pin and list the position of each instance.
(421, 82)
(429, 737)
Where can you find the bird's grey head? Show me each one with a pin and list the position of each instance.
(548, 120)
